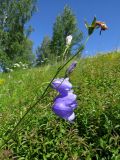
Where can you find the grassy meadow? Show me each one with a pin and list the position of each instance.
(95, 133)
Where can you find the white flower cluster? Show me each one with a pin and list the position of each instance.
(9, 70)
(20, 65)
(43, 61)
(16, 66)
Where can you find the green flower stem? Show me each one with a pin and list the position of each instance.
(45, 91)
(65, 52)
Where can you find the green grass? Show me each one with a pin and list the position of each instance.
(95, 133)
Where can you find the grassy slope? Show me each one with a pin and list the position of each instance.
(43, 135)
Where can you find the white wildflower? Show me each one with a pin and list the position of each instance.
(7, 69)
(11, 70)
(16, 65)
(68, 40)
(20, 63)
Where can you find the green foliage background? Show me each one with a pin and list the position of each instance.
(95, 134)
(53, 48)
(14, 43)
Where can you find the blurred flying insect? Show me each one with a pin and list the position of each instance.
(101, 25)
(94, 25)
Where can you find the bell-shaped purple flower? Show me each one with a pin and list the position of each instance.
(65, 102)
(68, 99)
(63, 111)
(62, 85)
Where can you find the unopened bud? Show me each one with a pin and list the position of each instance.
(71, 68)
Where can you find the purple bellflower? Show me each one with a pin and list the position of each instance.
(62, 85)
(69, 99)
(62, 110)
(65, 102)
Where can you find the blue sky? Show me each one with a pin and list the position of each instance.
(105, 10)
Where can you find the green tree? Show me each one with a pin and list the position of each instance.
(44, 52)
(65, 25)
(14, 14)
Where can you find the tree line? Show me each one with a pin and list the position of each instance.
(15, 45)
(51, 49)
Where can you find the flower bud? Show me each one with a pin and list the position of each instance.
(71, 68)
